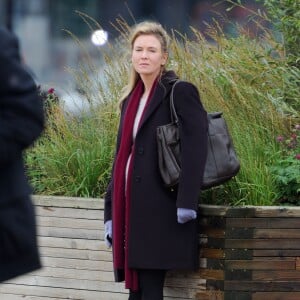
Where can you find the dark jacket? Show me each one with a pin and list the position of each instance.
(156, 239)
(21, 122)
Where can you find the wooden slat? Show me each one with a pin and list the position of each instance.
(262, 286)
(240, 253)
(71, 243)
(212, 210)
(276, 252)
(74, 274)
(262, 264)
(89, 234)
(69, 283)
(184, 282)
(283, 275)
(60, 293)
(277, 234)
(250, 211)
(213, 232)
(262, 243)
(212, 253)
(275, 222)
(180, 293)
(62, 222)
(209, 295)
(76, 254)
(69, 212)
(22, 297)
(71, 202)
(278, 211)
(212, 274)
(212, 221)
(276, 296)
(57, 262)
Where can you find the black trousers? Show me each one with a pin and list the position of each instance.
(151, 285)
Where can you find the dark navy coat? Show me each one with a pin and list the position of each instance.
(156, 239)
(21, 122)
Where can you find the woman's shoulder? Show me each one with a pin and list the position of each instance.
(186, 90)
(184, 85)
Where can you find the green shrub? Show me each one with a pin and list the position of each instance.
(74, 156)
(245, 78)
(286, 167)
(285, 15)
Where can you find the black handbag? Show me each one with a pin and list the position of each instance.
(222, 163)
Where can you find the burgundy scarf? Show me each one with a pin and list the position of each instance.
(121, 202)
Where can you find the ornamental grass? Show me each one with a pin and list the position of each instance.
(246, 78)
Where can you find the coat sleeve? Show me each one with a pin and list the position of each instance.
(21, 108)
(193, 127)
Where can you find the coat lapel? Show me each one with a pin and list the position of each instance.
(161, 92)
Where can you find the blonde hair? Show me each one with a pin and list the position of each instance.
(145, 28)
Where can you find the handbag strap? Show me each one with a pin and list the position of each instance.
(174, 117)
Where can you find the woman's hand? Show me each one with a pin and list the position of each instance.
(185, 214)
(108, 233)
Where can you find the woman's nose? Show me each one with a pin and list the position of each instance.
(144, 54)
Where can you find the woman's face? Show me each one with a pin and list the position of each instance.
(147, 56)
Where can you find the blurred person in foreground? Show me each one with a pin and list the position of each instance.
(21, 123)
(152, 228)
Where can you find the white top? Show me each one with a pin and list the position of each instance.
(138, 117)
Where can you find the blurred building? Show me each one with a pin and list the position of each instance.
(45, 27)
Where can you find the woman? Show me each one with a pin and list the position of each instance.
(154, 229)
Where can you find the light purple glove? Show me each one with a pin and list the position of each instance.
(108, 233)
(185, 214)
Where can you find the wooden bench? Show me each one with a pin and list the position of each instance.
(76, 262)
(247, 253)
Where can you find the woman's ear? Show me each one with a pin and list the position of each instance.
(164, 58)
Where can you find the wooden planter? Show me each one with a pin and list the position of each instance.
(246, 253)
(250, 253)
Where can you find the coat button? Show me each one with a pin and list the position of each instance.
(137, 178)
(140, 150)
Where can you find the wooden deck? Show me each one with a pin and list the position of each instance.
(76, 262)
